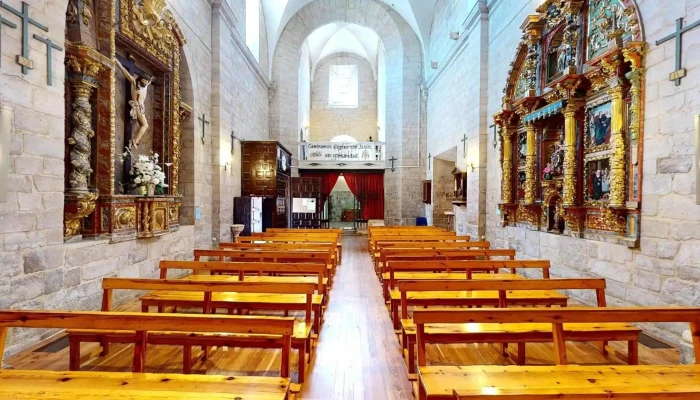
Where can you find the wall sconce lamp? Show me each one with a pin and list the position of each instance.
(454, 35)
(227, 166)
(471, 165)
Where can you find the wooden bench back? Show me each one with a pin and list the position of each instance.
(389, 256)
(502, 286)
(277, 246)
(265, 255)
(305, 230)
(395, 245)
(295, 235)
(197, 267)
(430, 238)
(467, 266)
(206, 287)
(143, 323)
(559, 316)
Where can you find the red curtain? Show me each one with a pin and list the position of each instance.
(368, 188)
(328, 180)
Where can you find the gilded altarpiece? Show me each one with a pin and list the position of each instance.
(571, 122)
(144, 35)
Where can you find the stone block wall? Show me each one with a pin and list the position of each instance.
(404, 66)
(457, 99)
(39, 271)
(328, 122)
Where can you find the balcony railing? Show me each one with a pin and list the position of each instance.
(343, 152)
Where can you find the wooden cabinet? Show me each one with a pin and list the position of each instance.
(307, 188)
(266, 173)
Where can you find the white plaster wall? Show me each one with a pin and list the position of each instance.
(328, 122)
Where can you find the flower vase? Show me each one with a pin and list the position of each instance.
(151, 189)
(142, 190)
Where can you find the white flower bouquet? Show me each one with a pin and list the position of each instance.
(145, 173)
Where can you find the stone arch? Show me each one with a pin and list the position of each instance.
(358, 123)
(405, 61)
(187, 144)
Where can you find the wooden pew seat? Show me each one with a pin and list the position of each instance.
(480, 298)
(561, 382)
(521, 334)
(301, 341)
(54, 385)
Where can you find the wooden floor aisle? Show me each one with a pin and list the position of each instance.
(358, 355)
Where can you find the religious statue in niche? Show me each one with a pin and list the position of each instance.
(555, 166)
(599, 130)
(555, 220)
(139, 92)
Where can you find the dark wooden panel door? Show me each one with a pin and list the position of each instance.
(242, 213)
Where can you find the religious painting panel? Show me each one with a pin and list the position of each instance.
(597, 181)
(598, 126)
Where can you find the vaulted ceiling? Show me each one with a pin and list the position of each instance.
(340, 37)
(417, 13)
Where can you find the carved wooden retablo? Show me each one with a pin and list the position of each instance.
(570, 121)
(147, 41)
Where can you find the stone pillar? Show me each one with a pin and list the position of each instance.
(569, 194)
(507, 134)
(530, 173)
(83, 79)
(618, 146)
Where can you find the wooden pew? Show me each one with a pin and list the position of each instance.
(241, 269)
(332, 248)
(521, 333)
(300, 256)
(202, 294)
(564, 381)
(385, 230)
(33, 385)
(296, 238)
(443, 270)
(391, 255)
(455, 294)
(394, 247)
(143, 325)
(427, 237)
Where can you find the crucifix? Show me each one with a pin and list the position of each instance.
(203, 118)
(392, 159)
(429, 156)
(50, 46)
(23, 59)
(464, 146)
(3, 21)
(679, 73)
(232, 142)
(137, 88)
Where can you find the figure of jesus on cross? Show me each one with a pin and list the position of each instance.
(139, 91)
